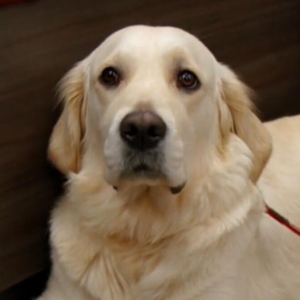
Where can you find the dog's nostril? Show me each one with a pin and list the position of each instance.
(130, 130)
(142, 130)
(154, 132)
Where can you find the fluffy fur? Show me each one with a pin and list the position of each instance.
(211, 241)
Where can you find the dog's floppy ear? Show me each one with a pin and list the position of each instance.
(65, 143)
(245, 123)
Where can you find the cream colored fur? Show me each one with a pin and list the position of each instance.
(213, 240)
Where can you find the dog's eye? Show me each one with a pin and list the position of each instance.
(110, 76)
(187, 80)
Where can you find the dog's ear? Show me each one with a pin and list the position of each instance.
(246, 124)
(65, 143)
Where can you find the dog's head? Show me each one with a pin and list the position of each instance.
(152, 106)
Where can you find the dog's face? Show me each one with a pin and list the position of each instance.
(152, 106)
(151, 101)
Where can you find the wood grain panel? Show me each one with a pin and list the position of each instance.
(40, 41)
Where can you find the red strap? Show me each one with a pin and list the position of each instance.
(282, 220)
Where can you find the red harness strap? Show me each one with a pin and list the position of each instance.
(282, 220)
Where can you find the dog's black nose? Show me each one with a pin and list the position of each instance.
(142, 130)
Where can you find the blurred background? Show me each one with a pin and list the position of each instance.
(41, 40)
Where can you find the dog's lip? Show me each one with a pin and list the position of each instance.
(177, 189)
(174, 190)
(142, 168)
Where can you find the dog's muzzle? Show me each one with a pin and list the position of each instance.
(143, 134)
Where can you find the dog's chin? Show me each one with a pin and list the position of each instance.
(142, 173)
(145, 176)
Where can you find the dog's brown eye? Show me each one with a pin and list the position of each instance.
(187, 80)
(110, 76)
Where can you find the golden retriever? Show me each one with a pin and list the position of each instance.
(168, 175)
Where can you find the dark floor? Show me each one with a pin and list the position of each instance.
(28, 289)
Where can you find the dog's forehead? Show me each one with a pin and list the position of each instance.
(147, 41)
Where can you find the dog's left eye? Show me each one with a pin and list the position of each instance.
(187, 80)
(110, 76)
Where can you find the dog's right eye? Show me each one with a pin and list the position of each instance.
(187, 80)
(110, 77)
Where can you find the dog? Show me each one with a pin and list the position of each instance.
(169, 172)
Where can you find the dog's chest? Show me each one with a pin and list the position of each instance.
(111, 269)
(168, 271)
(151, 270)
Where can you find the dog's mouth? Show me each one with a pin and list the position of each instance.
(146, 168)
(142, 165)
(142, 172)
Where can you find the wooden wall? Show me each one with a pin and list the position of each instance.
(40, 41)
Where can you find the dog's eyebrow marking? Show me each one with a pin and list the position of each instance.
(118, 60)
(179, 59)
